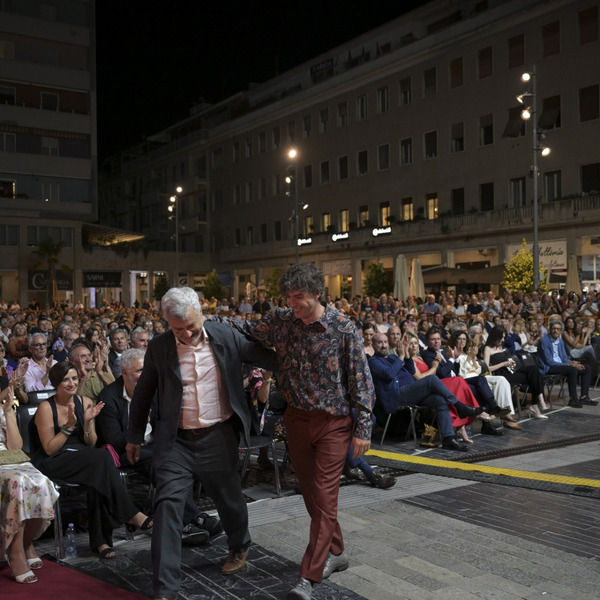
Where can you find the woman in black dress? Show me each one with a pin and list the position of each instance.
(67, 439)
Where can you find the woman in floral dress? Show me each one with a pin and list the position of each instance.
(26, 499)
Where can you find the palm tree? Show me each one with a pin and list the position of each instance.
(49, 252)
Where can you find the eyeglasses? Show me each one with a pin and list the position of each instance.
(38, 346)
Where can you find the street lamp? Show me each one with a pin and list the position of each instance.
(529, 101)
(292, 181)
(173, 208)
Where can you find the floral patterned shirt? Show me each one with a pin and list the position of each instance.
(322, 366)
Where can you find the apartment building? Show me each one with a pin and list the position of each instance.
(408, 140)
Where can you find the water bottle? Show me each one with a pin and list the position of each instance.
(70, 542)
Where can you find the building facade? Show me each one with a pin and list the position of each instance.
(408, 140)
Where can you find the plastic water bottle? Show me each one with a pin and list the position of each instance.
(70, 542)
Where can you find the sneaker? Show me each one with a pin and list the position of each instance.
(381, 481)
(587, 401)
(211, 524)
(334, 563)
(303, 591)
(236, 562)
(575, 403)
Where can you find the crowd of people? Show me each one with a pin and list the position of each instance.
(333, 367)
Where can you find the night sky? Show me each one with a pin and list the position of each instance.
(156, 58)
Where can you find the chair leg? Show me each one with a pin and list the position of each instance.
(58, 532)
(245, 464)
(413, 416)
(385, 430)
(275, 468)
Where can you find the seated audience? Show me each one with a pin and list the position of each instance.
(37, 376)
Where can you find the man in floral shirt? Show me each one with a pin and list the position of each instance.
(323, 374)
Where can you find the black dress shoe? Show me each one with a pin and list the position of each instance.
(488, 429)
(450, 443)
(464, 410)
(587, 401)
(500, 412)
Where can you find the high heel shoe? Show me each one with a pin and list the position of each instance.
(27, 577)
(35, 562)
(534, 412)
(485, 418)
(461, 433)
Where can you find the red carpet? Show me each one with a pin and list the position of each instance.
(61, 582)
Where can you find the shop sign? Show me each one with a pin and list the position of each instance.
(553, 253)
(101, 279)
(38, 280)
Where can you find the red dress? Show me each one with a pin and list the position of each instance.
(460, 388)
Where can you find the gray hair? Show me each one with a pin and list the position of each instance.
(116, 330)
(136, 332)
(35, 335)
(304, 278)
(129, 356)
(177, 302)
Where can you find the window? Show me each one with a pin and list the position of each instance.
(552, 185)
(486, 196)
(457, 198)
(384, 213)
(588, 25)
(217, 158)
(363, 216)
(291, 131)
(7, 95)
(325, 222)
(343, 221)
(308, 176)
(431, 202)
(407, 209)
(590, 178)
(236, 152)
(262, 188)
(306, 126)
(383, 157)
(8, 142)
(429, 83)
(361, 107)
(406, 151)
(456, 72)
(276, 138)
(325, 171)
(342, 114)
(430, 144)
(7, 189)
(405, 90)
(237, 237)
(550, 38)
(249, 192)
(277, 231)
(457, 135)
(516, 51)
(262, 142)
(515, 126)
(49, 101)
(363, 162)
(550, 117)
(49, 146)
(382, 100)
(343, 167)
(248, 147)
(485, 62)
(588, 103)
(249, 235)
(308, 225)
(237, 194)
(7, 50)
(50, 191)
(517, 192)
(324, 120)
(276, 185)
(486, 130)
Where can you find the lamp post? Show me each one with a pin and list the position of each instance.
(173, 208)
(529, 100)
(292, 181)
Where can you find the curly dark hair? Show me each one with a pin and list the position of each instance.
(305, 278)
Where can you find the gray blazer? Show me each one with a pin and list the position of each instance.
(161, 374)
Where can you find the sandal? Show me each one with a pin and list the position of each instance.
(35, 562)
(104, 554)
(27, 577)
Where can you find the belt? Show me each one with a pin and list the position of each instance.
(192, 434)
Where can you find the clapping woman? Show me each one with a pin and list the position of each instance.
(67, 434)
(26, 499)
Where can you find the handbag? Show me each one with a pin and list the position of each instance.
(13, 457)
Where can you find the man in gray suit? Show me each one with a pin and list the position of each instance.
(201, 411)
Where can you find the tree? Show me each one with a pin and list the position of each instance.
(272, 282)
(161, 287)
(377, 281)
(49, 254)
(212, 286)
(518, 273)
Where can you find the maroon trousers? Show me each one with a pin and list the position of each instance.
(318, 444)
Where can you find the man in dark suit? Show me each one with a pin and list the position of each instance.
(201, 411)
(448, 366)
(112, 429)
(118, 345)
